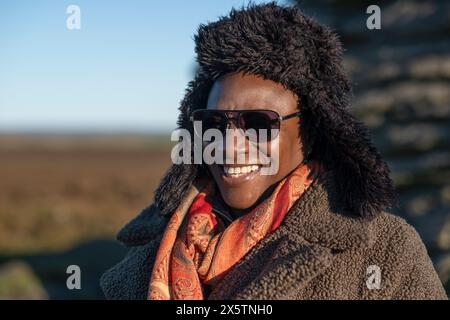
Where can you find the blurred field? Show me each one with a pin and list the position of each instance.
(60, 192)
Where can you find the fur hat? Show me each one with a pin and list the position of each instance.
(282, 44)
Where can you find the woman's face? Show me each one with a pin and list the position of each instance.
(237, 91)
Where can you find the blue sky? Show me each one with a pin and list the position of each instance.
(126, 69)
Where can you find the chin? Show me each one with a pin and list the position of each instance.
(236, 199)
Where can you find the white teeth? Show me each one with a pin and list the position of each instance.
(238, 171)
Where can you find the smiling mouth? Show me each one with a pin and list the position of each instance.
(239, 171)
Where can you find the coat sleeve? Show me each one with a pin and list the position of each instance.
(419, 280)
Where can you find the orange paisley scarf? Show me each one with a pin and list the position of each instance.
(197, 249)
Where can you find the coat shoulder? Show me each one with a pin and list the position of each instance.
(397, 240)
(129, 278)
(404, 259)
(145, 227)
(389, 230)
(391, 227)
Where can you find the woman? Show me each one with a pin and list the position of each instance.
(315, 228)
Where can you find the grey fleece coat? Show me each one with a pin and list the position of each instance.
(321, 251)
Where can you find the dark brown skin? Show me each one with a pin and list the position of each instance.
(236, 91)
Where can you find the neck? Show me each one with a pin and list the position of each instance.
(242, 212)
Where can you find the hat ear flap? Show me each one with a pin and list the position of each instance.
(180, 177)
(343, 144)
(173, 187)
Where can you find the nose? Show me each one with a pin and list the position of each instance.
(235, 145)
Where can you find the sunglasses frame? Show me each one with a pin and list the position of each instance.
(237, 114)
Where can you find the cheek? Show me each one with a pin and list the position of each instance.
(290, 150)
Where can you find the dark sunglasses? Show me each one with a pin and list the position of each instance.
(243, 119)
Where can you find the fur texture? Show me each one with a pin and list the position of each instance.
(282, 44)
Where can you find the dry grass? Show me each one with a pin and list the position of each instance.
(56, 192)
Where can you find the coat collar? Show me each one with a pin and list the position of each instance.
(322, 217)
(319, 216)
(317, 227)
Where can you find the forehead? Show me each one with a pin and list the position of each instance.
(238, 91)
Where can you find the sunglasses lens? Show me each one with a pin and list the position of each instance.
(211, 120)
(258, 124)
